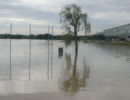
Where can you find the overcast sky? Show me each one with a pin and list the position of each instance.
(103, 14)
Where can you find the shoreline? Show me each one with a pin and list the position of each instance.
(122, 43)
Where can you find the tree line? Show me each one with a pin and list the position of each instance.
(49, 36)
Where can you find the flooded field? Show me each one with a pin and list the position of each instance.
(96, 71)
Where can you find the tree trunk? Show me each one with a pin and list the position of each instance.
(76, 46)
(75, 78)
(76, 38)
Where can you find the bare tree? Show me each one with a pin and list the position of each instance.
(74, 20)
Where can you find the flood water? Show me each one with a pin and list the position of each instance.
(97, 71)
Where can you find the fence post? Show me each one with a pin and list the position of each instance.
(52, 54)
(29, 51)
(48, 51)
(10, 51)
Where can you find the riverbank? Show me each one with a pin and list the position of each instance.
(123, 43)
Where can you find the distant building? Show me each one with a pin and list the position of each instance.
(120, 31)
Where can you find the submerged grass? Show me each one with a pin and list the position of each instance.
(124, 43)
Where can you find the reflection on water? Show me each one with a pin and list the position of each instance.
(115, 50)
(92, 71)
(29, 74)
(73, 78)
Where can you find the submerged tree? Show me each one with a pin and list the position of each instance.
(74, 20)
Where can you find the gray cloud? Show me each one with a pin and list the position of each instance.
(103, 14)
